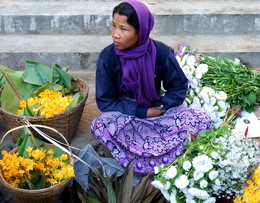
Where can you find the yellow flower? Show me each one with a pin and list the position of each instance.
(252, 191)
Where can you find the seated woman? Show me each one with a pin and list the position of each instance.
(137, 122)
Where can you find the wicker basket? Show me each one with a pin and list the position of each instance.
(66, 122)
(46, 195)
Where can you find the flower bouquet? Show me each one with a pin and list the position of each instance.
(214, 165)
(252, 191)
(35, 171)
(215, 84)
(42, 95)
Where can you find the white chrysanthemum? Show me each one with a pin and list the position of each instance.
(173, 196)
(221, 95)
(210, 200)
(166, 194)
(213, 175)
(217, 182)
(186, 165)
(202, 163)
(181, 182)
(222, 104)
(203, 183)
(191, 60)
(200, 194)
(213, 100)
(156, 170)
(198, 76)
(202, 68)
(158, 184)
(208, 91)
(183, 61)
(171, 172)
(214, 155)
(193, 83)
(197, 175)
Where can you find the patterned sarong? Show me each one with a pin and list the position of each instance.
(151, 141)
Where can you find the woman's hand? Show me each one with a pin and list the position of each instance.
(155, 111)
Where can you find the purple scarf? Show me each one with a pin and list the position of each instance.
(138, 63)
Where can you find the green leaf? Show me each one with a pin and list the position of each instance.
(25, 140)
(37, 73)
(77, 98)
(9, 99)
(65, 78)
(50, 86)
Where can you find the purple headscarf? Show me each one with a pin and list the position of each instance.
(138, 63)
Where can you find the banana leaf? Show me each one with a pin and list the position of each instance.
(9, 98)
(77, 98)
(40, 74)
(26, 140)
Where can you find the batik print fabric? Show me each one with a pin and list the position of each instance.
(149, 142)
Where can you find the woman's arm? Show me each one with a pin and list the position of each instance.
(107, 92)
(174, 82)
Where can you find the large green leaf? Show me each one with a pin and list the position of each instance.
(40, 74)
(65, 78)
(9, 98)
(37, 73)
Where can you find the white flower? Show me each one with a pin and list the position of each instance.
(181, 182)
(157, 184)
(198, 76)
(173, 196)
(221, 95)
(201, 147)
(191, 60)
(203, 183)
(202, 163)
(217, 181)
(202, 68)
(214, 155)
(213, 175)
(178, 58)
(186, 165)
(171, 172)
(210, 200)
(197, 175)
(200, 194)
(166, 194)
(156, 169)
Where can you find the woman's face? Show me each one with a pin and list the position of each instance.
(124, 35)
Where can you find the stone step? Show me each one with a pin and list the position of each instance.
(87, 17)
(81, 51)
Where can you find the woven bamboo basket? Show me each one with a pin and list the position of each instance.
(65, 122)
(46, 195)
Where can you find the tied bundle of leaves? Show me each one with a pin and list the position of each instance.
(37, 77)
(241, 83)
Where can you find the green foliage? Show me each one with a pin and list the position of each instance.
(241, 83)
(31, 82)
(119, 189)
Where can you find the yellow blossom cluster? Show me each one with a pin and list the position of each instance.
(50, 103)
(252, 191)
(17, 170)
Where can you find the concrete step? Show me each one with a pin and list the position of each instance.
(88, 17)
(81, 51)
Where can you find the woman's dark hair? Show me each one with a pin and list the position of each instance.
(128, 11)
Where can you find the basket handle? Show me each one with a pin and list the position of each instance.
(40, 126)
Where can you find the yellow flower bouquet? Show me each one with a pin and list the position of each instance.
(43, 95)
(35, 165)
(36, 171)
(252, 191)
